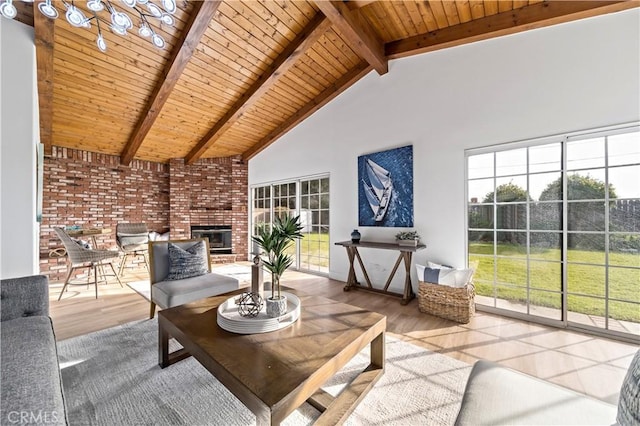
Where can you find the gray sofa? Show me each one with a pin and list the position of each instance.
(496, 395)
(31, 384)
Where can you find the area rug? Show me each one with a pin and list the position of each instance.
(111, 377)
(234, 270)
(143, 288)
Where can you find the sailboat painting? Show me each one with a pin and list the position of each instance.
(385, 188)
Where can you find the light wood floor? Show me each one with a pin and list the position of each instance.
(591, 365)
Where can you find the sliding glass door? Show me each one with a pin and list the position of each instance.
(314, 212)
(554, 229)
(308, 198)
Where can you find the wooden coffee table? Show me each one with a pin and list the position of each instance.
(274, 373)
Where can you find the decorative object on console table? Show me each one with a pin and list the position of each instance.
(408, 238)
(274, 243)
(355, 236)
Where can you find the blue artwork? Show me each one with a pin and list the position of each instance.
(385, 188)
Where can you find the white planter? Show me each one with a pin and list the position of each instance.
(410, 243)
(276, 307)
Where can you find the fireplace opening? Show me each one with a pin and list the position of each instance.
(219, 237)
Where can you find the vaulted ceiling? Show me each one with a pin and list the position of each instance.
(237, 75)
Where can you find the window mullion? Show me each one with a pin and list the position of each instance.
(298, 242)
(565, 237)
(606, 232)
(495, 232)
(528, 237)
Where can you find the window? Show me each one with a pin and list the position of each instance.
(314, 212)
(554, 229)
(261, 207)
(309, 198)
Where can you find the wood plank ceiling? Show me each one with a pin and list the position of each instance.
(236, 75)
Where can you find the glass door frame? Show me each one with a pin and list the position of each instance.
(297, 181)
(564, 322)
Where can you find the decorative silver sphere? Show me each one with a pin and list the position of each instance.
(249, 304)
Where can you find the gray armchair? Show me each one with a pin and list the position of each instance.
(132, 239)
(80, 257)
(169, 293)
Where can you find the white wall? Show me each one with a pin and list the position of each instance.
(18, 136)
(564, 78)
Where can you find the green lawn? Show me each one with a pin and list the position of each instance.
(314, 249)
(584, 281)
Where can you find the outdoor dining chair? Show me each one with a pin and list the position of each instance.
(132, 239)
(80, 257)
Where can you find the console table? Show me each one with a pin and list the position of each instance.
(406, 252)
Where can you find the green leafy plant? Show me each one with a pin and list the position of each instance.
(274, 242)
(407, 235)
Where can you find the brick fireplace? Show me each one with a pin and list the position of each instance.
(218, 236)
(94, 190)
(211, 193)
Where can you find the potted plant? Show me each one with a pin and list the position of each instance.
(274, 241)
(408, 238)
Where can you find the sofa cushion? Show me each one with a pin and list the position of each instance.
(496, 396)
(169, 293)
(444, 275)
(629, 403)
(31, 382)
(438, 266)
(133, 242)
(24, 297)
(187, 263)
(155, 236)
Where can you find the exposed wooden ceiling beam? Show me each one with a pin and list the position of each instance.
(342, 84)
(357, 4)
(201, 16)
(527, 18)
(358, 33)
(44, 29)
(26, 12)
(303, 41)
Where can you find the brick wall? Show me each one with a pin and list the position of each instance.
(94, 190)
(214, 191)
(178, 199)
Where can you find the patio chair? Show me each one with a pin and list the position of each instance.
(132, 239)
(80, 257)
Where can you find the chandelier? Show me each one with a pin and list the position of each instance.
(119, 20)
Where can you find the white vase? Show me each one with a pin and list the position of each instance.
(276, 307)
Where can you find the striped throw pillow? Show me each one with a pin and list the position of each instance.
(446, 276)
(188, 263)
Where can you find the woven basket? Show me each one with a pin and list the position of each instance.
(452, 303)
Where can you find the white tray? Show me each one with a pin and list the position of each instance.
(230, 320)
